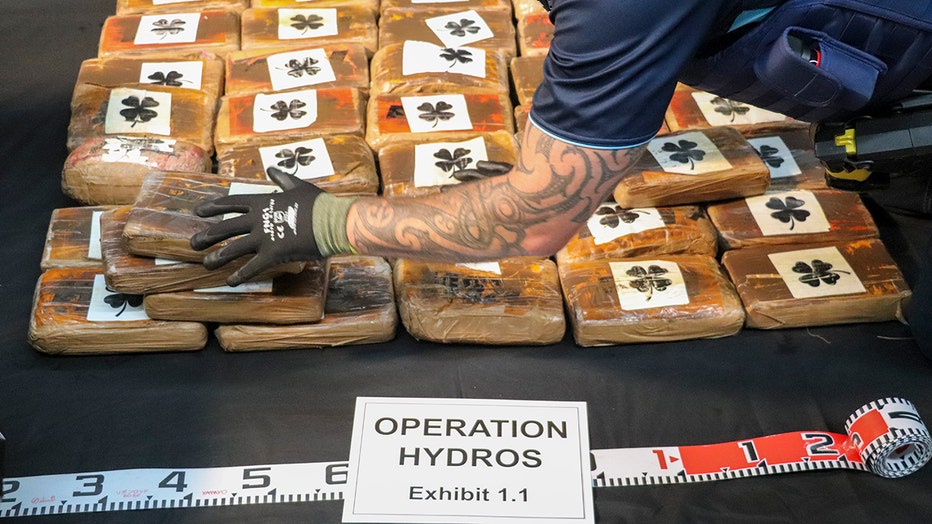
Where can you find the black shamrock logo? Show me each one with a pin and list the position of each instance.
(729, 107)
(474, 289)
(281, 110)
(464, 26)
(769, 155)
(818, 272)
(452, 161)
(138, 110)
(684, 151)
(456, 56)
(301, 156)
(164, 27)
(613, 216)
(172, 78)
(788, 211)
(435, 114)
(304, 23)
(121, 300)
(297, 68)
(648, 280)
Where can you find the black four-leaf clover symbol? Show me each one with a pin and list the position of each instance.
(769, 155)
(788, 211)
(648, 280)
(684, 151)
(456, 56)
(304, 23)
(464, 26)
(281, 110)
(298, 68)
(164, 28)
(138, 110)
(613, 216)
(817, 273)
(729, 107)
(454, 161)
(172, 78)
(121, 300)
(293, 160)
(435, 113)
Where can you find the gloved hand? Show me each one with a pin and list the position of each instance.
(277, 227)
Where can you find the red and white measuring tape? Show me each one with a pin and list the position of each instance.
(886, 437)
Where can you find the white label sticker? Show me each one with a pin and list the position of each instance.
(818, 272)
(131, 149)
(245, 188)
(246, 287)
(487, 267)
(138, 111)
(469, 461)
(93, 243)
(424, 57)
(788, 213)
(687, 154)
(295, 24)
(110, 306)
(611, 221)
(426, 114)
(776, 155)
(644, 284)
(175, 28)
(435, 163)
(189, 75)
(283, 111)
(720, 111)
(300, 69)
(459, 29)
(166, 262)
(306, 159)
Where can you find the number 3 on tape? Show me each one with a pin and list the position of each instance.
(885, 437)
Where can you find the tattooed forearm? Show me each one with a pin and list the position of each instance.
(532, 210)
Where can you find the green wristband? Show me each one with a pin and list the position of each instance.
(329, 224)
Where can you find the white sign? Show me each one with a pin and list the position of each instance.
(189, 74)
(283, 111)
(107, 305)
(424, 57)
(436, 113)
(776, 155)
(435, 162)
(818, 272)
(138, 111)
(788, 213)
(459, 29)
(645, 284)
(306, 159)
(611, 221)
(299, 69)
(294, 24)
(469, 461)
(176, 28)
(720, 111)
(690, 153)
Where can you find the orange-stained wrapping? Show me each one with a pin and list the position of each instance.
(140, 7)
(387, 6)
(354, 25)
(388, 77)
(68, 239)
(399, 25)
(684, 113)
(527, 72)
(800, 148)
(371, 5)
(218, 32)
(111, 72)
(535, 31)
(247, 72)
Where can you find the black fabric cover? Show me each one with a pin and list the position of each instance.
(209, 408)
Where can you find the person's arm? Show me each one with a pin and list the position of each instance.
(533, 210)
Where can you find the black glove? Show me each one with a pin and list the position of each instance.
(277, 227)
(483, 169)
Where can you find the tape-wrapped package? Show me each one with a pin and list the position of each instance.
(614, 232)
(656, 299)
(360, 309)
(791, 159)
(157, 35)
(418, 169)
(535, 31)
(792, 217)
(454, 27)
(692, 109)
(510, 301)
(311, 24)
(371, 5)
(340, 164)
(417, 68)
(318, 67)
(786, 286)
(527, 73)
(73, 238)
(196, 70)
(73, 313)
(387, 6)
(141, 7)
(286, 299)
(692, 167)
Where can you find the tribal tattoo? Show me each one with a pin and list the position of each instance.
(533, 210)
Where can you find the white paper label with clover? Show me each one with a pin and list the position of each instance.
(645, 284)
(460, 29)
(174, 28)
(426, 114)
(284, 111)
(720, 111)
(138, 111)
(131, 149)
(189, 74)
(436, 163)
(775, 154)
(299, 69)
(424, 57)
(307, 159)
(687, 154)
(107, 305)
(610, 221)
(295, 24)
(469, 461)
(818, 272)
(788, 213)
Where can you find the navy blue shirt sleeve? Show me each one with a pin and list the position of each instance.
(613, 66)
